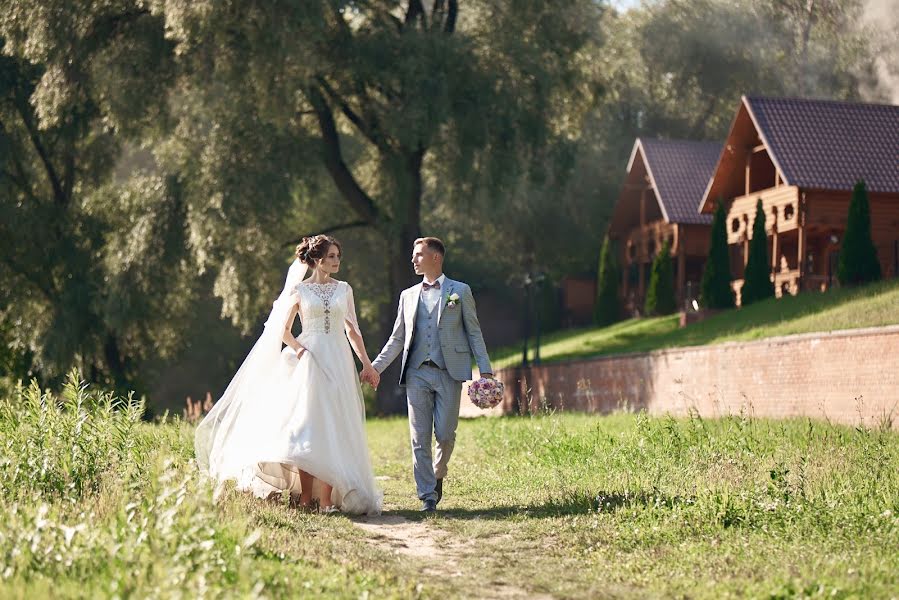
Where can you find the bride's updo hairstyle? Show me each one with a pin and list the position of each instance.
(316, 247)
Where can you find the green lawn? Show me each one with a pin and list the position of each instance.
(870, 306)
(96, 504)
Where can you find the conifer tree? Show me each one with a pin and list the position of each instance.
(757, 284)
(858, 256)
(715, 291)
(607, 309)
(660, 298)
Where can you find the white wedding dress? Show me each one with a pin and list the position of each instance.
(281, 414)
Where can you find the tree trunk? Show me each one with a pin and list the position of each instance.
(399, 240)
(115, 364)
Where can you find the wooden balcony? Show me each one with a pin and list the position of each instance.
(781, 206)
(789, 282)
(644, 242)
(786, 282)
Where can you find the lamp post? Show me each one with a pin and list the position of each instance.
(536, 281)
(531, 282)
(526, 285)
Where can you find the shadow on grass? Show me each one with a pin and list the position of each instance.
(577, 504)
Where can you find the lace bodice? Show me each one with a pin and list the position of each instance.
(326, 307)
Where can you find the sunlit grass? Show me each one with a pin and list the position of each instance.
(870, 306)
(95, 503)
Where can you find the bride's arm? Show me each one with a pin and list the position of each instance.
(358, 347)
(354, 334)
(287, 336)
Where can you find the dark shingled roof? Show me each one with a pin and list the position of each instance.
(680, 171)
(830, 145)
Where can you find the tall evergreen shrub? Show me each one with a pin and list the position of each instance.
(607, 308)
(858, 256)
(660, 298)
(757, 284)
(715, 291)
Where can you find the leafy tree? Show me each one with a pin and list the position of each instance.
(166, 155)
(858, 255)
(715, 291)
(757, 284)
(265, 121)
(660, 298)
(84, 288)
(607, 309)
(379, 99)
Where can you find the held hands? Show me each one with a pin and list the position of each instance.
(370, 376)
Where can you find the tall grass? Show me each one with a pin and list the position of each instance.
(96, 503)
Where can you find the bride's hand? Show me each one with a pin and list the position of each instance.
(299, 351)
(370, 375)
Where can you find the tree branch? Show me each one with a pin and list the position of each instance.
(334, 163)
(414, 11)
(326, 231)
(19, 178)
(108, 26)
(369, 130)
(452, 13)
(55, 182)
(40, 285)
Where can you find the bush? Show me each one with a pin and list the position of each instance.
(660, 299)
(757, 284)
(607, 309)
(858, 256)
(715, 291)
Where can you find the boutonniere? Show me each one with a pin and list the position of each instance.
(452, 299)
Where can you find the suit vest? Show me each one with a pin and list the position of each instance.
(425, 339)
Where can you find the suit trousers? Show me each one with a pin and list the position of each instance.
(433, 397)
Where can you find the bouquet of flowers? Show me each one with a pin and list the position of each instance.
(485, 393)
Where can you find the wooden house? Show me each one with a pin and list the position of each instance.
(657, 202)
(802, 158)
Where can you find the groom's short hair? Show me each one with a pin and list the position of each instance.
(433, 243)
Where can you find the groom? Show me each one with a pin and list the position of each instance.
(437, 330)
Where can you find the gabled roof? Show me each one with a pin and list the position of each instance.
(823, 144)
(677, 171)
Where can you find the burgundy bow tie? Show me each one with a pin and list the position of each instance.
(427, 286)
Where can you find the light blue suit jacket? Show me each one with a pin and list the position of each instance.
(457, 327)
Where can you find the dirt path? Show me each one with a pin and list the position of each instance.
(441, 555)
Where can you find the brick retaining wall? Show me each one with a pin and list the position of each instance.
(843, 376)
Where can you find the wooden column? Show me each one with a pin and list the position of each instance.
(800, 263)
(746, 232)
(642, 249)
(681, 262)
(748, 163)
(775, 246)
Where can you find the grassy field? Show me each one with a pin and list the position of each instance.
(97, 504)
(869, 306)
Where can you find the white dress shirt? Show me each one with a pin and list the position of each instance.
(431, 296)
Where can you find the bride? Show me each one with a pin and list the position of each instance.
(293, 420)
